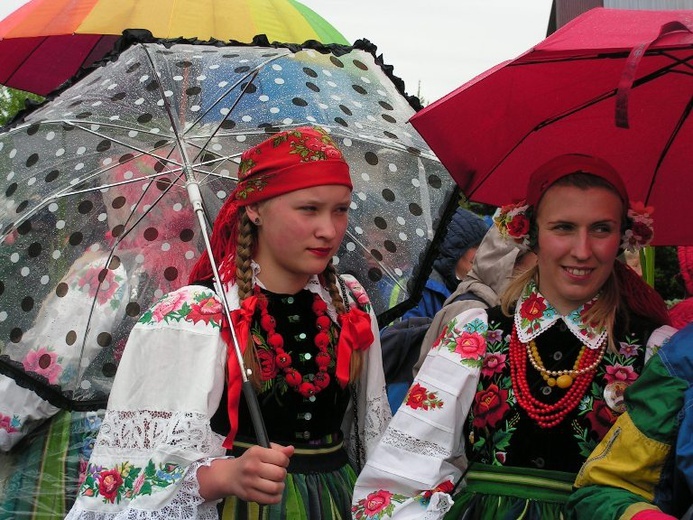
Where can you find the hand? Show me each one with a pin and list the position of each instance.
(256, 476)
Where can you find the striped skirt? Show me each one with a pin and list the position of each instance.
(509, 493)
(319, 484)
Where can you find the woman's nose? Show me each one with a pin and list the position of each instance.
(582, 247)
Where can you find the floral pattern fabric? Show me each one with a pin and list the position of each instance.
(476, 417)
(152, 441)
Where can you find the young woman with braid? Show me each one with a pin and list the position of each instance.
(177, 439)
(523, 392)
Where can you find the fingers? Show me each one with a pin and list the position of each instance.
(264, 472)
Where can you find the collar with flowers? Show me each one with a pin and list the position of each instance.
(513, 222)
(534, 314)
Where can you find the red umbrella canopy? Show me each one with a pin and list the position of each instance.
(617, 84)
(45, 42)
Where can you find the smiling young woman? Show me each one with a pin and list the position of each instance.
(525, 390)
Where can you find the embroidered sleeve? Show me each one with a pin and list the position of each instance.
(156, 430)
(410, 473)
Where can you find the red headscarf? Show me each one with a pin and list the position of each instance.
(287, 161)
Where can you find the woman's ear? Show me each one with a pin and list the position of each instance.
(252, 211)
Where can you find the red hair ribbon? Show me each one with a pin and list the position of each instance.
(242, 319)
(356, 334)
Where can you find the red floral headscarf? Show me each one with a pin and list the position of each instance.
(287, 161)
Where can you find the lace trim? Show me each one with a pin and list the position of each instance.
(146, 429)
(402, 440)
(376, 419)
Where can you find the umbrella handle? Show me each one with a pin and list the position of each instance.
(255, 414)
(628, 74)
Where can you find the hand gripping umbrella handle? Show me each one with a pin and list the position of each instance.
(248, 390)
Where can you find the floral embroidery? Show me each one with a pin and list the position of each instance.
(359, 294)
(641, 231)
(419, 397)
(535, 314)
(444, 487)
(531, 311)
(44, 361)
(191, 306)
(618, 372)
(125, 481)
(10, 424)
(205, 311)
(469, 343)
(494, 363)
(257, 183)
(601, 418)
(513, 222)
(490, 405)
(378, 504)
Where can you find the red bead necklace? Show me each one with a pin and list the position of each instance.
(323, 359)
(550, 415)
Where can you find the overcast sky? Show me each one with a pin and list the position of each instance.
(438, 45)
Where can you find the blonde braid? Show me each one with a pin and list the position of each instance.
(330, 276)
(244, 281)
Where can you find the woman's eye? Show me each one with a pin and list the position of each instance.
(604, 229)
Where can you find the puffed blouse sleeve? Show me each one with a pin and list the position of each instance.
(410, 474)
(156, 432)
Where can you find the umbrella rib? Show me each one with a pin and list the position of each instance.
(670, 141)
(252, 75)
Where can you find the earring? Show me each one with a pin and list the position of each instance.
(257, 221)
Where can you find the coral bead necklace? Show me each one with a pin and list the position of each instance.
(323, 359)
(550, 415)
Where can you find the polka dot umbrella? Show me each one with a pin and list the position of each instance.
(45, 42)
(95, 217)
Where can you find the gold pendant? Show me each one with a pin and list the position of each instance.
(564, 381)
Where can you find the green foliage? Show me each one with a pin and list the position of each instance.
(12, 101)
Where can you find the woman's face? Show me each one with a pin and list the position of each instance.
(299, 233)
(578, 241)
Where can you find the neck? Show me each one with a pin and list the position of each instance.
(282, 285)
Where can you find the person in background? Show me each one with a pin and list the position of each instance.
(456, 254)
(643, 468)
(308, 336)
(525, 390)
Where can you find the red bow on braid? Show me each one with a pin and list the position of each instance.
(242, 319)
(356, 334)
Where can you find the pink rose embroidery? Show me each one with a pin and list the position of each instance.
(172, 303)
(470, 345)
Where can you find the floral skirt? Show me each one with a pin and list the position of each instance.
(318, 486)
(507, 493)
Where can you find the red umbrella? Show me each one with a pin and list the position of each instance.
(45, 42)
(613, 83)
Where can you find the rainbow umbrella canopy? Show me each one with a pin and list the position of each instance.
(45, 42)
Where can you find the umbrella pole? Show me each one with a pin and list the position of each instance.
(195, 195)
